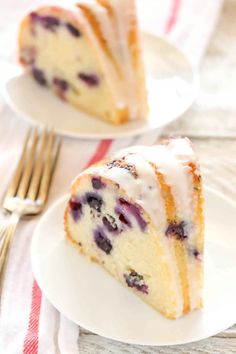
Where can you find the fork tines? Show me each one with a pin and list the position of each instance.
(36, 165)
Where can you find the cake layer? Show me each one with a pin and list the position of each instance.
(112, 230)
(115, 26)
(55, 47)
(89, 55)
(152, 196)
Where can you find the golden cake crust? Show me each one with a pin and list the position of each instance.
(117, 116)
(178, 242)
(74, 187)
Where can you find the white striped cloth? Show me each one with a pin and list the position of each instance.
(29, 324)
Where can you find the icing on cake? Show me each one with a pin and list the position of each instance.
(89, 54)
(147, 230)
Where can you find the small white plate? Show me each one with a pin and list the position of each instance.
(172, 87)
(90, 297)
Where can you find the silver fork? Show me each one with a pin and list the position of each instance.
(28, 190)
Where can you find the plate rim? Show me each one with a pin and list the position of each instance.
(62, 199)
(143, 129)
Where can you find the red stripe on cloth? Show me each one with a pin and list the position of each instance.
(173, 16)
(101, 151)
(31, 340)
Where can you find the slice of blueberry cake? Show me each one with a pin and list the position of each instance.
(89, 54)
(139, 214)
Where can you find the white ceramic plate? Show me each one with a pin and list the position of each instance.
(90, 297)
(172, 86)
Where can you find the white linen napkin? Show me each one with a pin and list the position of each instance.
(29, 324)
(186, 23)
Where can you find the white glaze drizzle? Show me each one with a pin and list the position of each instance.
(136, 89)
(185, 154)
(172, 161)
(112, 78)
(116, 31)
(116, 34)
(138, 189)
(124, 10)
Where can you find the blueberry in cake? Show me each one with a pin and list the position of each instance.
(89, 54)
(139, 214)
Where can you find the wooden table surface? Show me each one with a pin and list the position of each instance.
(211, 123)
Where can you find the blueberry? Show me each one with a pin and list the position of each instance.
(124, 219)
(75, 208)
(133, 209)
(73, 30)
(34, 16)
(177, 230)
(48, 22)
(90, 79)
(97, 183)
(102, 241)
(27, 55)
(94, 201)
(196, 253)
(110, 223)
(135, 280)
(61, 84)
(39, 76)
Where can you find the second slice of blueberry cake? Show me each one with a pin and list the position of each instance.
(139, 215)
(89, 54)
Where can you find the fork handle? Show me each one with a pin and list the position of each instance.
(6, 236)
